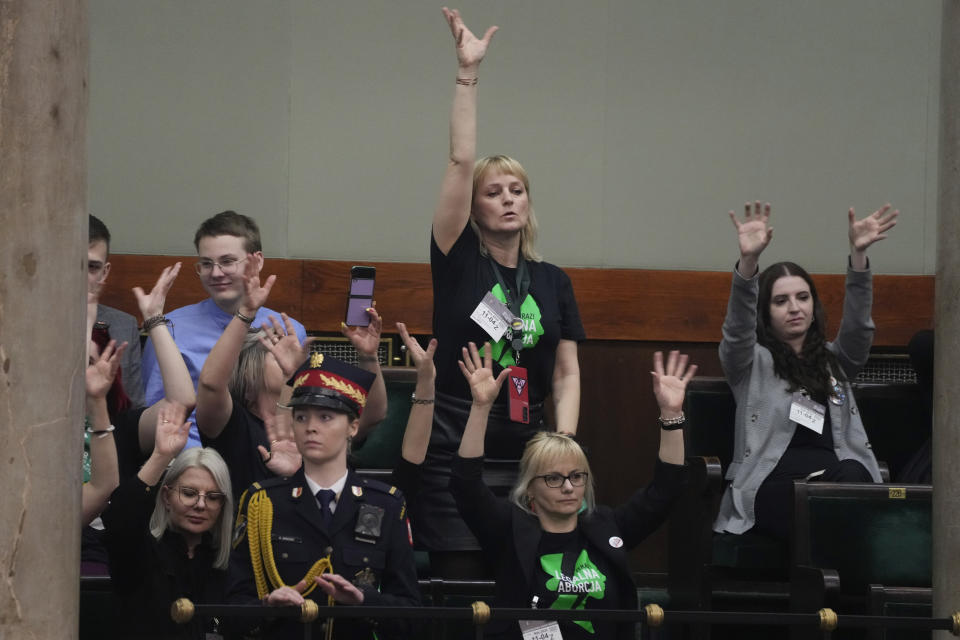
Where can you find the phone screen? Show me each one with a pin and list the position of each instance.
(361, 298)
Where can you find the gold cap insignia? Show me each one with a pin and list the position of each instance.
(316, 359)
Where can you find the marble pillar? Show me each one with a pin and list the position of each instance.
(43, 231)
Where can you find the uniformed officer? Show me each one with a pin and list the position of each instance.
(324, 530)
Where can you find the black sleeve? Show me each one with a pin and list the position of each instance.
(127, 438)
(127, 531)
(406, 477)
(236, 444)
(487, 516)
(571, 328)
(649, 507)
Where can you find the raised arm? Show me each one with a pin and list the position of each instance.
(484, 388)
(416, 436)
(740, 322)
(453, 208)
(177, 385)
(865, 232)
(214, 403)
(104, 470)
(669, 387)
(366, 340)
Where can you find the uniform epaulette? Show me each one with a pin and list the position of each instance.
(382, 487)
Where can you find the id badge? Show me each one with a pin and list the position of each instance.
(540, 630)
(493, 316)
(519, 395)
(807, 413)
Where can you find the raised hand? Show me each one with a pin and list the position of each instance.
(754, 233)
(470, 48)
(479, 373)
(366, 340)
(172, 429)
(670, 381)
(282, 458)
(341, 589)
(872, 228)
(422, 359)
(281, 340)
(151, 305)
(254, 295)
(102, 370)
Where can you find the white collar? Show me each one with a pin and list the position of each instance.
(336, 487)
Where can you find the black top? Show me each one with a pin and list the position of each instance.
(512, 539)
(237, 445)
(149, 574)
(571, 573)
(461, 279)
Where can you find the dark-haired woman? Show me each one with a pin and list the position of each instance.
(796, 415)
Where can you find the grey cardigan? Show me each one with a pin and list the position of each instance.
(763, 426)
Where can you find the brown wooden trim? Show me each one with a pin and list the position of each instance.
(615, 304)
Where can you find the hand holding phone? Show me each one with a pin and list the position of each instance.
(361, 296)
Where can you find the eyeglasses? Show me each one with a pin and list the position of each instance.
(228, 266)
(190, 497)
(556, 480)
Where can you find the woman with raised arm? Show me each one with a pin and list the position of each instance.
(552, 546)
(100, 465)
(243, 388)
(489, 282)
(796, 415)
(168, 533)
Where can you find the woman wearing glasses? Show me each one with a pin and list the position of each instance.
(169, 539)
(552, 546)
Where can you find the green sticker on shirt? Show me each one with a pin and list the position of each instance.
(532, 329)
(573, 591)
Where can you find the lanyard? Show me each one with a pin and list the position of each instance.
(515, 298)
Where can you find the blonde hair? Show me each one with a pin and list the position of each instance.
(543, 450)
(509, 166)
(246, 379)
(208, 459)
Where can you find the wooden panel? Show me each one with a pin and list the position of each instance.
(403, 293)
(615, 304)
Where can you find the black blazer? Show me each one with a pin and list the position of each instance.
(382, 567)
(510, 536)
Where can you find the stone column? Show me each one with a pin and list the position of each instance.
(946, 427)
(43, 232)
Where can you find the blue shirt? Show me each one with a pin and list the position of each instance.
(196, 328)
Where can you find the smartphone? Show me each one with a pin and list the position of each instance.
(361, 295)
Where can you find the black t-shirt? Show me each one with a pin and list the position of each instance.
(571, 574)
(237, 444)
(461, 279)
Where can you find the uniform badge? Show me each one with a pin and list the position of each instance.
(365, 578)
(616, 542)
(369, 522)
(297, 492)
(409, 533)
(357, 491)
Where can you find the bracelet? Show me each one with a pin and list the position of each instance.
(152, 323)
(468, 82)
(365, 357)
(243, 318)
(415, 400)
(671, 424)
(100, 433)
